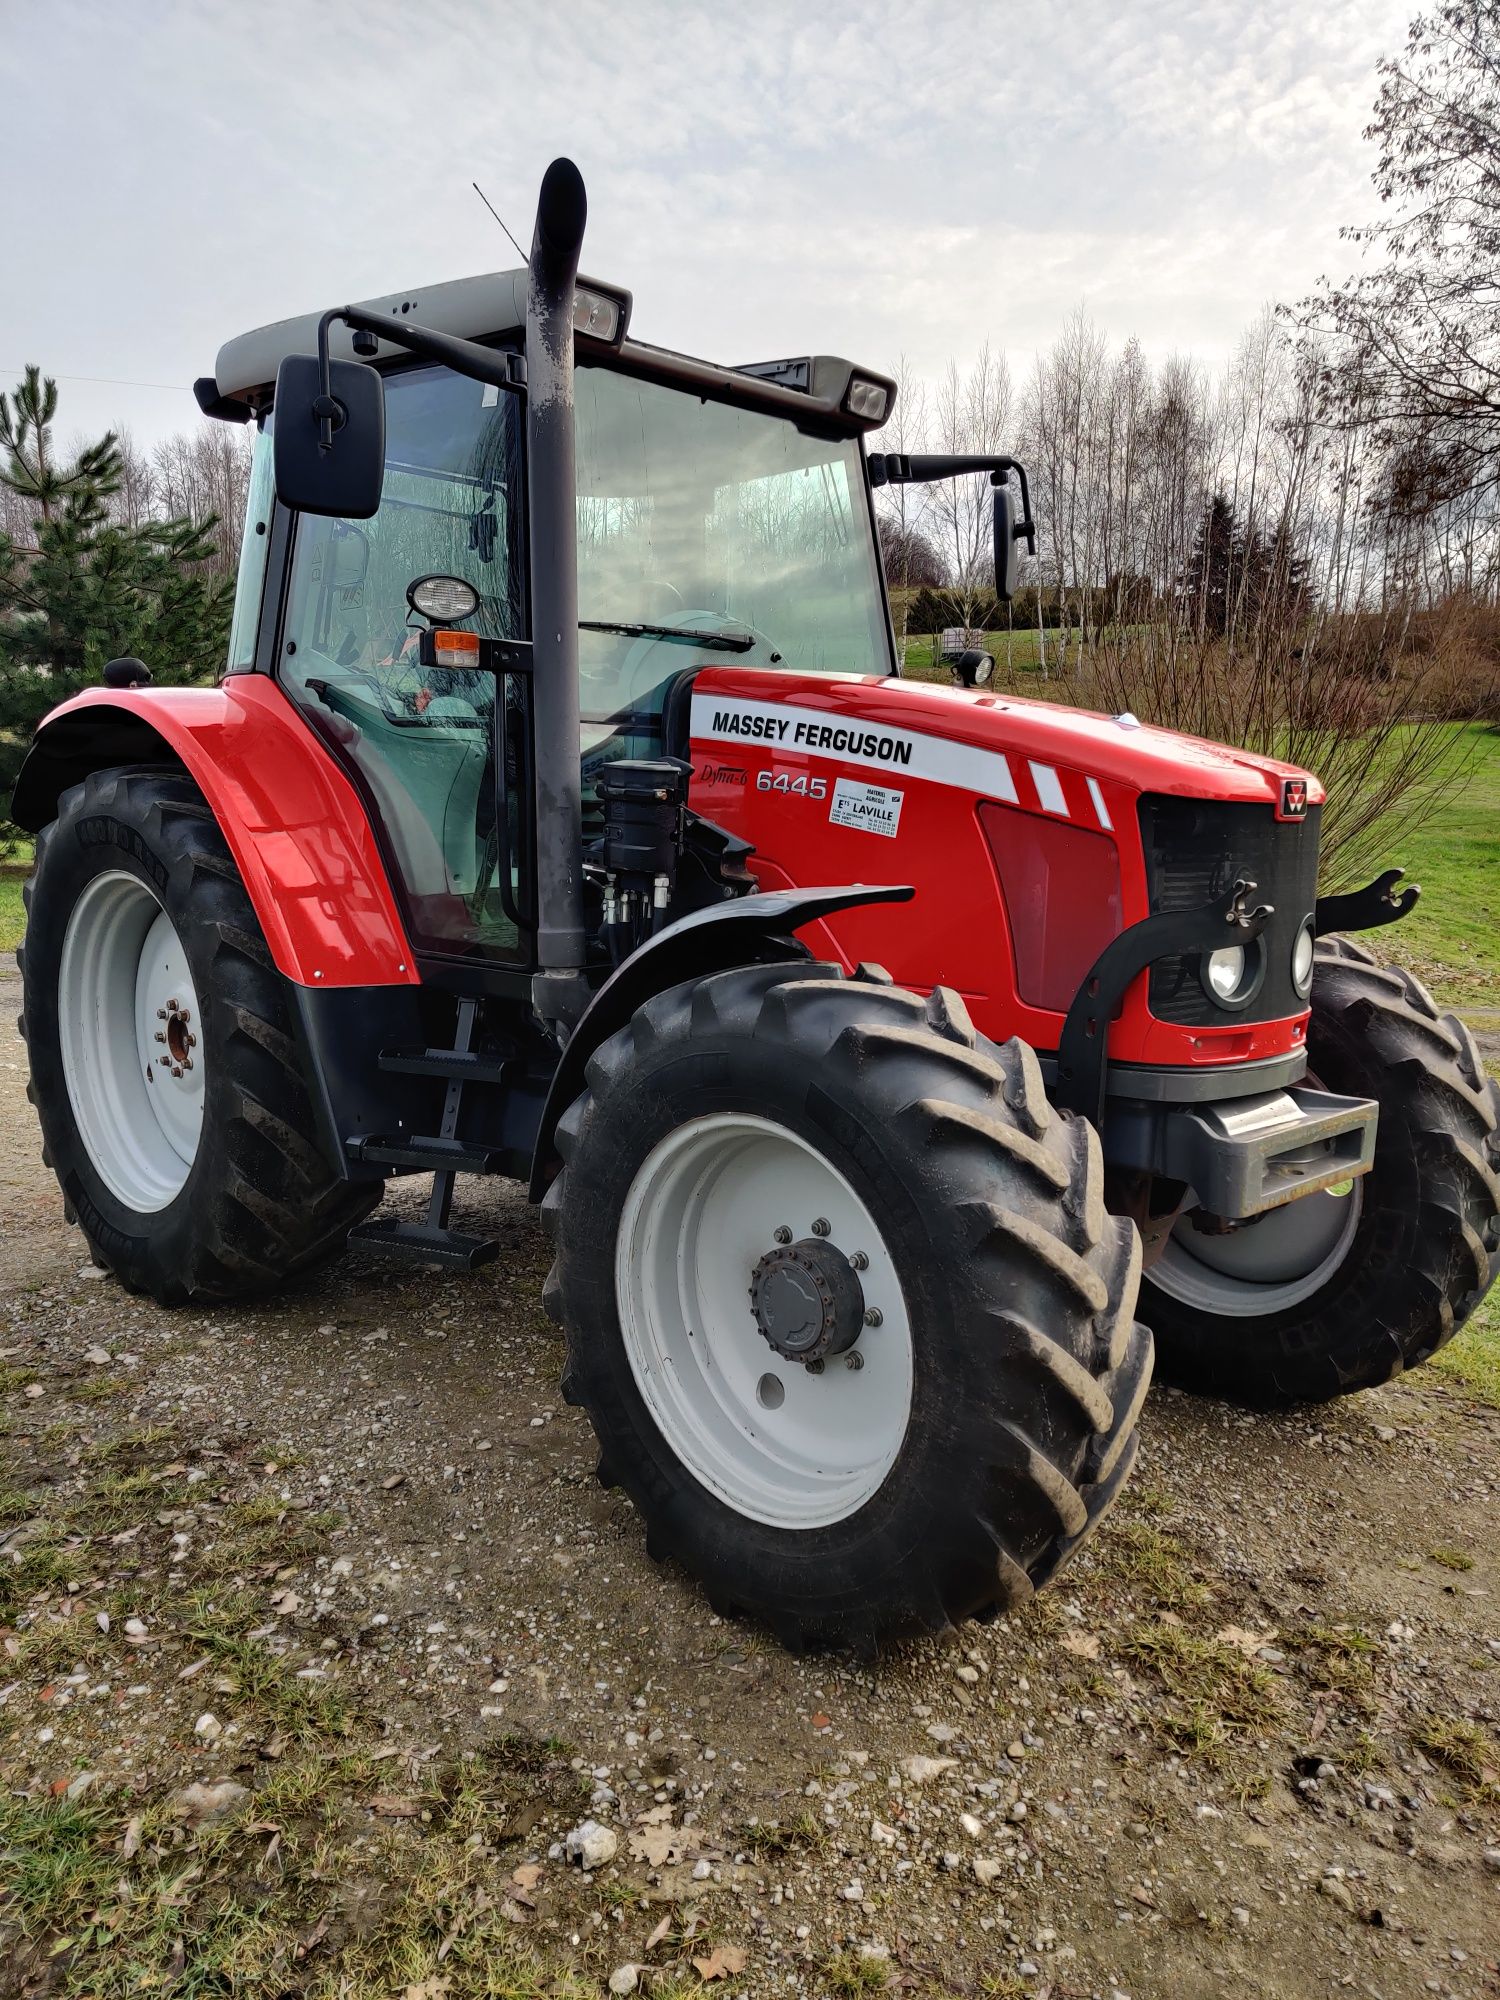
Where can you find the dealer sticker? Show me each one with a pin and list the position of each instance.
(870, 808)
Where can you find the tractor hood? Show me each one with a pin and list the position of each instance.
(730, 702)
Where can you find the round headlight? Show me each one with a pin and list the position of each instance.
(1302, 960)
(1224, 971)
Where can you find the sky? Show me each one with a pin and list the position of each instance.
(872, 179)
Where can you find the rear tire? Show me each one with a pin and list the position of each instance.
(991, 1254)
(1418, 1250)
(248, 1199)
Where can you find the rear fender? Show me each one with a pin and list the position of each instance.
(296, 827)
(754, 930)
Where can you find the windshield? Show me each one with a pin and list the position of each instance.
(700, 516)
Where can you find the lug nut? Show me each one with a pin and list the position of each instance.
(783, 1234)
(160, 1036)
(822, 1227)
(814, 1367)
(161, 1013)
(859, 1261)
(171, 1006)
(854, 1360)
(874, 1317)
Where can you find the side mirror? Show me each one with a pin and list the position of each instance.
(329, 453)
(1007, 551)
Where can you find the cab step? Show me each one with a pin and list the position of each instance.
(455, 1065)
(420, 1243)
(428, 1154)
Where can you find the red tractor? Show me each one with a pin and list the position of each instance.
(862, 1041)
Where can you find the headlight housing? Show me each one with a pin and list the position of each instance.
(1232, 975)
(1303, 957)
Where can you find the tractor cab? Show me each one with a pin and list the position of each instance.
(720, 515)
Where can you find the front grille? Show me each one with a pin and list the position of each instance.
(1195, 848)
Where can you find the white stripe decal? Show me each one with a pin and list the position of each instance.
(818, 732)
(1049, 790)
(1099, 806)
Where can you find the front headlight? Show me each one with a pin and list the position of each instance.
(1232, 975)
(1224, 971)
(1302, 961)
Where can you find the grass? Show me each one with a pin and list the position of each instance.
(1473, 1358)
(305, 1886)
(1218, 1696)
(1452, 938)
(1461, 1746)
(12, 916)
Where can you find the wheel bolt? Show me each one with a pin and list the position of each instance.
(874, 1317)
(171, 1006)
(854, 1360)
(822, 1227)
(187, 1063)
(859, 1261)
(160, 1036)
(192, 1042)
(783, 1234)
(814, 1367)
(161, 1013)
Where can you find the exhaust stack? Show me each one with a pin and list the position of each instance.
(559, 993)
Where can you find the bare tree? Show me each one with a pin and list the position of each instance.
(972, 414)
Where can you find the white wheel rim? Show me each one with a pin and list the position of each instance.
(775, 1442)
(1269, 1265)
(130, 1029)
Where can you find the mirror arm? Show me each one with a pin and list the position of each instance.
(502, 368)
(897, 468)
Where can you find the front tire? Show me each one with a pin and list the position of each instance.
(956, 1453)
(1339, 1292)
(165, 1069)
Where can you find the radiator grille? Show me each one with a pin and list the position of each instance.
(1194, 850)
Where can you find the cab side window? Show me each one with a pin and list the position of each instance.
(423, 740)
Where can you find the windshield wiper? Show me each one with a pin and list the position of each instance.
(719, 642)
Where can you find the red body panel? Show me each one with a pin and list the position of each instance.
(935, 754)
(295, 825)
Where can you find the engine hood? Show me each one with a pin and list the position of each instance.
(1114, 749)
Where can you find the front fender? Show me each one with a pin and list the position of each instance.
(753, 930)
(298, 832)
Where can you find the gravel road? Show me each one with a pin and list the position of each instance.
(353, 1538)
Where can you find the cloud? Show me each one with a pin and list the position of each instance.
(871, 178)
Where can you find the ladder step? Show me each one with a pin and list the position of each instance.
(457, 1065)
(432, 1155)
(419, 1244)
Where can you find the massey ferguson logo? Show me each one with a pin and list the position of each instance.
(1294, 798)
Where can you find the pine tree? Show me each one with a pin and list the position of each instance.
(79, 589)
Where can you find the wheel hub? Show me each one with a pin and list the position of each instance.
(807, 1300)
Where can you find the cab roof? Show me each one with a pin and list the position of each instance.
(492, 305)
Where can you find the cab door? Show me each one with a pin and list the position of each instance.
(438, 750)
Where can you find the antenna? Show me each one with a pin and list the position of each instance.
(500, 219)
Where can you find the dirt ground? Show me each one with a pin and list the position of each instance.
(346, 1551)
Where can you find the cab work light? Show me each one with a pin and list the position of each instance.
(867, 400)
(597, 315)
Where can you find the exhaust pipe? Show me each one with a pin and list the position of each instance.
(559, 991)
